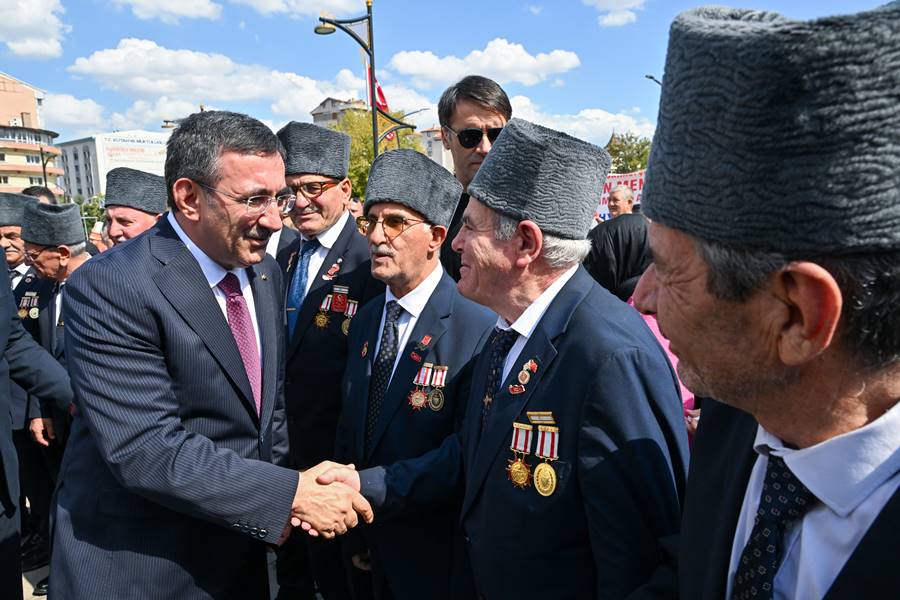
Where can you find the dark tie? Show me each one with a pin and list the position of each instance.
(298, 284)
(384, 364)
(784, 499)
(500, 343)
(12, 277)
(242, 330)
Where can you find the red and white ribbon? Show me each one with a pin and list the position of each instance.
(423, 377)
(352, 305)
(521, 438)
(326, 303)
(440, 376)
(548, 439)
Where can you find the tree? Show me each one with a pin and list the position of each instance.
(629, 152)
(358, 125)
(91, 210)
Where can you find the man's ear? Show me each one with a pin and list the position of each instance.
(65, 254)
(438, 235)
(530, 242)
(444, 137)
(186, 194)
(813, 303)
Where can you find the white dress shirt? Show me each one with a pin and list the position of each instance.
(530, 317)
(19, 271)
(852, 475)
(272, 244)
(214, 273)
(413, 304)
(326, 239)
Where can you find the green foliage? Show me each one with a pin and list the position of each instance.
(629, 152)
(358, 125)
(91, 210)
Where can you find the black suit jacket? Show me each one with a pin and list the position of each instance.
(315, 356)
(32, 292)
(721, 462)
(416, 492)
(451, 260)
(622, 457)
(167, 488)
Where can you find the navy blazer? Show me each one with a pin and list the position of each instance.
(721, 463)
(622, 456)
(167, 487)
(416, 485)
(316, 357)
(25, 406)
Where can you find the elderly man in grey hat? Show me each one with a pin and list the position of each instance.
(327, 279)
(574, 443)
(789, 316)
(408, 371)
(134, 201)
(12, 209)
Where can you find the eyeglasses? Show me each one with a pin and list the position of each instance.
(471, 137)
(392, 225)
(314, 189)
(259, 204)
(32, 256)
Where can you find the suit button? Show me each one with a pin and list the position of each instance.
(238, 525)
(263, 533)
(468, 541)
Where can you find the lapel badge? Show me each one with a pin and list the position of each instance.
(332, 271)
(416, 356)
(517, 470)
(531, 365)
(417, 397)
(365, 349)
(264, 277)
(516, 389)
(540, 417)
(29, 278)
(423, 343)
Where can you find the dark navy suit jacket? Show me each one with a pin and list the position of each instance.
(25, 406)
(316, 357)
(415, 485)
(622, 457)
(167, 487)
(721, 463)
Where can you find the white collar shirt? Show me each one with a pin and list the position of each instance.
(327, 239)
(19, 272)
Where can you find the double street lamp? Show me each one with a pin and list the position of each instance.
(328, 26)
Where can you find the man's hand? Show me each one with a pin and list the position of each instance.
(341, 474)
(327, 510)
(42, 430)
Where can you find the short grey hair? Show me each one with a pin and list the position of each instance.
(626, 192)
(77, 249)
(558, 252)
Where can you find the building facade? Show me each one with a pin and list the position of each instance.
(330, 110)
(433, 145)
(27, 154)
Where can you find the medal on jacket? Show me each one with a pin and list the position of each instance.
(350, 312)
(333, 270)
(339, 298)
(28, 306)
(322, 319)
(548, 449)
(436, 395)
(417, 397)
(517, 469)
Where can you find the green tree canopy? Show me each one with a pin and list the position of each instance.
(629, 152)
(358, 125)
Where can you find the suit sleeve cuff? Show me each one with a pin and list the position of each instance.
(372, 485)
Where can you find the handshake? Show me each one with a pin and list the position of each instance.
(327, 501)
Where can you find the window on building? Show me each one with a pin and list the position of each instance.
(36, 180)
(2, 157)
(4, 179)
(33, 160)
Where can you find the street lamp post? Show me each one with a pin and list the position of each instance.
(327, 26)
(654, 79)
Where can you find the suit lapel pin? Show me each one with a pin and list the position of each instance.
(416, 356)
(264, 277)
(423, 343)
(332, 271)
(365, 349)
(516, 389)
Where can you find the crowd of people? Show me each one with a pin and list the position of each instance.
(455, 387)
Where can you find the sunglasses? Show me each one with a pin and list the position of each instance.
(471, 137)
(392, 225)
(314, 189)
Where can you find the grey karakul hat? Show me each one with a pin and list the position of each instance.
(780, 135)
(537, 174)
(412, 179)
(136, 189)
(52, 224)
(12, 207)
(313, 149)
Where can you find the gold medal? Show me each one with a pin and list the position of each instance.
(524, 377)
(23, 312)
(345, 326)
(417, 399)
(321, 320)
(436, 399)
(545, 479)
(518, 472)
(34, 312)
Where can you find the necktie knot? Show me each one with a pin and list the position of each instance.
(784, 497)
(309, 246)
(393, 310)
(502, 340)
(230, 285)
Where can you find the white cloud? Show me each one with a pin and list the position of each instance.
(65, 110)
(615, 13)
(592, 124)
(306, 8)
(501, 60)
(170, 11)
(145, 114)
(534, 9)
(32, 28)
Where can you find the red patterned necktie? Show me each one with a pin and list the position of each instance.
(242, 330)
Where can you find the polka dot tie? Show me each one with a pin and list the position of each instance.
(242, 330)
(501, 341)
(384, 365)
(784, 499)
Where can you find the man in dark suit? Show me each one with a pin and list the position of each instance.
(134, 201)
(327, 280)
(789, 315)
(472, 112)
(574, 445)
(168, 487)
(407, 379)
(25, 363)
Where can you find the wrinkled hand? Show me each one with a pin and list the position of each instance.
(692, 420)
(327, 510)
(341, 474)
(42, 430)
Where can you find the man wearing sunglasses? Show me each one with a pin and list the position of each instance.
(472, 113)
(171, 484)
(326, 278)
(410, 352)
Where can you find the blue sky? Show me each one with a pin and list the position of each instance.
(576, 65)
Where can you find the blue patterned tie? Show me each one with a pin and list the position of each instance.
(501, 341)
(784, 499)
(381, 372)
(298, 285)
